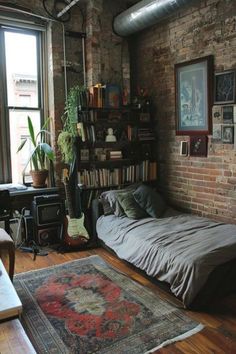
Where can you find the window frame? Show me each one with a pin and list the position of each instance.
(5, 171)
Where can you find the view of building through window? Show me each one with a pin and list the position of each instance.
(22, 94)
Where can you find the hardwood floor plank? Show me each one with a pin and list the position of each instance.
(218, 336)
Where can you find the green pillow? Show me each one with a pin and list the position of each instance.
(150, 200)
(130, 206)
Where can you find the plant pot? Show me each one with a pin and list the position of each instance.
(39, 177)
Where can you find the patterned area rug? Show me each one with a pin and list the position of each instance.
(86, 306)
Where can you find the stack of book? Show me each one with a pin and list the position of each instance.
(145, 134)
(115, 155)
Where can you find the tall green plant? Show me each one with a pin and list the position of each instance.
(42, 151)
(67, 136)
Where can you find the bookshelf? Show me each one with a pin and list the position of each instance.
(127, 156)
(103, 165)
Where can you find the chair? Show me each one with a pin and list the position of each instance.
(6, 242)
(5, 209)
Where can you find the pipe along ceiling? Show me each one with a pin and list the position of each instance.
(145, 14)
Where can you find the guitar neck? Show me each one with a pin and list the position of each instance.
(69, 201)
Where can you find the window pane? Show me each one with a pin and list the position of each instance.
(21, 69)
(19, 132)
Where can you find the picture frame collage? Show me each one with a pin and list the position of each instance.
(205, 104)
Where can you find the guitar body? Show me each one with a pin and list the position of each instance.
(75, 234)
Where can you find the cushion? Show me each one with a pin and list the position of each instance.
(150, 200)
(130, 206)
(110, 197)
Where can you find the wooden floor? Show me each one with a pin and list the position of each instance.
(218, 336)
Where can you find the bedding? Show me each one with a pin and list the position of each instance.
(182, 250)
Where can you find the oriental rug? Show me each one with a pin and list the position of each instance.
(86, 306)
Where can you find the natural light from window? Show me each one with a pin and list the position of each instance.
(22, 92)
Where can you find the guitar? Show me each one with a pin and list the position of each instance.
(75, 234)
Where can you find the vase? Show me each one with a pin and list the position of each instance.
(39, 178)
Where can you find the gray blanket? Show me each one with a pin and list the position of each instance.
(181, 250)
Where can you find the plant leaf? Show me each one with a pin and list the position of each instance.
(47, 151)
(31, 131)
(21, 145)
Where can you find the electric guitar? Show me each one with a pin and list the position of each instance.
(75, 234)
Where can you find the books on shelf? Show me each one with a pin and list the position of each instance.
(104, 177)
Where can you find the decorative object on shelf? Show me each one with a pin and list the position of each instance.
(227, 134)
(141, 101)
(40, 155)
(112, 96)
(198, 146)
(110, 137)
(225, 87)
(194, 81)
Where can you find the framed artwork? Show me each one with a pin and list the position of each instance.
(227, 134)
(228, 114)
(217, 115)
(224, 90)
(198, 146)
(216, 134)
(193, 88)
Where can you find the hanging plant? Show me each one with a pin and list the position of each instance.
(67, 136)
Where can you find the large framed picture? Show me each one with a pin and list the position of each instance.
(224, 90)
(194, 88)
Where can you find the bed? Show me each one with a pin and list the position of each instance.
(196, 256)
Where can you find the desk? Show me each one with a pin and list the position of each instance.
(23, 198)
(10, 304)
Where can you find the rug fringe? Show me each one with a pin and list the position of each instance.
(175, 339)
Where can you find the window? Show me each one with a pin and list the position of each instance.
(21, 96)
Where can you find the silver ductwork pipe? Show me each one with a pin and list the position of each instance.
(145, 14)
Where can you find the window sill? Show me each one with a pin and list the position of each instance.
(34, 191)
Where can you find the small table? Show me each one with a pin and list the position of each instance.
(10, 304)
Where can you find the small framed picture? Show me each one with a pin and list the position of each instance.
(198, 146)
(227, 134)
(228, 114)
(225, 87)
(217, 115)
(216, 136)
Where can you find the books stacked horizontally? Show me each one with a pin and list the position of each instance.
(145, 134)
(115, 155)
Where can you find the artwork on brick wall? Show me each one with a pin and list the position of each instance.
(198, 146)
(224, 88)
(228, 134)
(194, 86)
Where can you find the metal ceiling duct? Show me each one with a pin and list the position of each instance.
(144, 14)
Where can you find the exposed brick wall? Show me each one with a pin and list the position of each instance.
(206, 186)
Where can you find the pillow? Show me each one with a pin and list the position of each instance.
(130, 206)
(110, 197)
(150, 200)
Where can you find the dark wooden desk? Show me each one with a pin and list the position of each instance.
(23, 198)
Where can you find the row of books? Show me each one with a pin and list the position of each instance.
(145, 171)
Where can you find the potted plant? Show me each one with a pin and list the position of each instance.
(41, 154)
